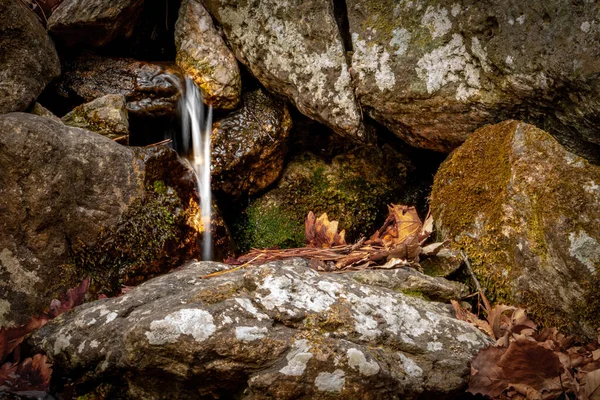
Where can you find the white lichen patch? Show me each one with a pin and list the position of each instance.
(110, 317)
(509, 60)
(521, 19)
(285, 292)
(4, 309)
(469, 338)
(297, 358)
(410, 366)
(585, 27)
(450, 63)
(400, 41)
(250, 333)
(585, 248)
(591, 187)
(455, 10)
(434, 346)
(81, 347)
(437, 21)
(247, 305)
(20, 278)
(94, 344)
(372, 60)
(357, 360)
(331, 382)
(307, 61)
(62, 342)
(188, 321)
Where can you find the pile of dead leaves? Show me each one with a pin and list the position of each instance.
(32, 375)
(397, 243)
(527, 363)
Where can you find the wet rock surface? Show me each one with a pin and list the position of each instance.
(77, 204)
(279, 330)
(295, 50)
(29, 60)
(433, 73)
(526, 212)
(106, 115)
(149, 88)
(249, 145)
(94, 22)
(353, 189)
(203, 55)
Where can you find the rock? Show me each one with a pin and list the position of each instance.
(151, 89)
(280, 330)
(433, 73)
(105, 115)
(525, 210)
(249, 145)
(413, 283)
(353, 189)
(94, 22)
(203, 55)
(42, 111)
(77, 204)
(29, 60)
(444, 262)
(295, 50)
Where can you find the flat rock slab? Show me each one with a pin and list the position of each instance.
(280, 330)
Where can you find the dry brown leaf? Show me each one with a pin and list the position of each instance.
(592, 385)
(466, 315)
(526, 391)
(320, 232)
(596, 355)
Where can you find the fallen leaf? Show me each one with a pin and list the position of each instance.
(33, 374)
(72, 298)
(592, 385)
(320, 232)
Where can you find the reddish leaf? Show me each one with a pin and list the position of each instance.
(73, 298)
(487, 377)
(32, 374)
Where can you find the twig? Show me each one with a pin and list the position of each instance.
(120, 138)
(468, 264)
(166, 141)
(218, 273)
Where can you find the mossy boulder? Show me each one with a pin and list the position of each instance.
(77, 204)
(203, 55)
(525, 210)
(249, 145)
(354, 189)
(106, 115)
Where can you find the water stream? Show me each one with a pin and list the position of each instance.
(196, 123)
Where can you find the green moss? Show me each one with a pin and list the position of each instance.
(136, 247)
(160, 187)
(414, 293)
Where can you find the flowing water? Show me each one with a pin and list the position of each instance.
(196, 125)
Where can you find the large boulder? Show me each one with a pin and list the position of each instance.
(77, 204)
(354, 189)
(295, 50)
(280, 331)
(94, 22)
(29, 60)
(106, 115)
(151, 89)
(525, 210)
(203, 55)
(249, 145)
(433, 73)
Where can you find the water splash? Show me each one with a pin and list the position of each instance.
(196, 129)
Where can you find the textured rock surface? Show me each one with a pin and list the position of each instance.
(413, 283)
(433, 73)
(42, 111)
(149, 88)
(75, 203)
(295, 50)
(353, 189)
(249, 145)
(105, 115)
(279, 331)
(94, 22)
(29, 60)
(526, 212)
(203, 55)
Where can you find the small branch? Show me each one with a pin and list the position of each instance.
(166, 141)
(468, 264)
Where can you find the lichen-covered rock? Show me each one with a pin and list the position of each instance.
(353, 189)
(413, 283)
(29, 60)
(106, 115)
(42, 111)
(435, 72)
(280, 330)
(295, 50)
(249, 145)
(77, 204)
(151, 89)
(203, 55)
(525, 210)
(94, 22)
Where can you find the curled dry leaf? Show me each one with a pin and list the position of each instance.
(72, 298)
(320, 232)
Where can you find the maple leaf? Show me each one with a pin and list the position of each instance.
(32, 374)
(320, 232)
(72, 298)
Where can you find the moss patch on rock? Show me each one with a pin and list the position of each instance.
(353, 189)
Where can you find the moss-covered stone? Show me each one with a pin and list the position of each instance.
(106, 115)
(525, 211)
(353, 189)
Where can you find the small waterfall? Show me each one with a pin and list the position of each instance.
(196, 129)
